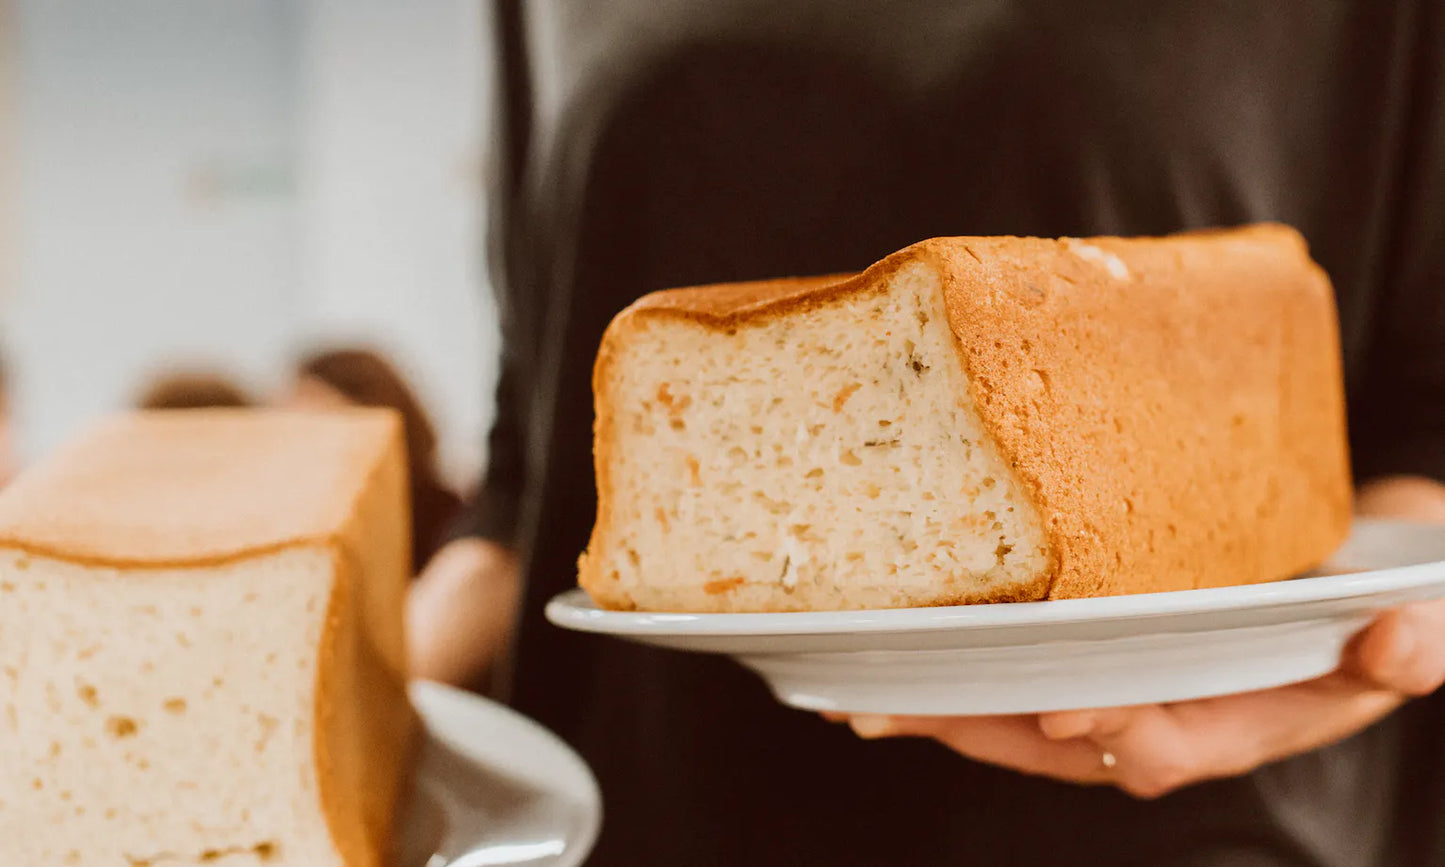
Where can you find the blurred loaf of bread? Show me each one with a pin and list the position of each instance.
(201, 654)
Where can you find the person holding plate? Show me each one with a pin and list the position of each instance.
(644, 145)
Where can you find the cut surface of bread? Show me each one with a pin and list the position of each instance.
(200, 644)
(974, 420)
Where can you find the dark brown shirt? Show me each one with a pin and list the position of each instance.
(654, 143)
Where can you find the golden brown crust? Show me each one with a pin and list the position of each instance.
(377, 538)
(1180, 427)
(1174, 406)
(722, 303)
(366, 733)
(125, 495)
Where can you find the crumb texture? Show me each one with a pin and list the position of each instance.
(159, 718)
(831, 459)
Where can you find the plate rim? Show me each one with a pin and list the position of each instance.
(573, 609)
(422, 692)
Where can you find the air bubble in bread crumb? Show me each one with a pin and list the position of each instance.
(794, 557)
(790, 577)
(121, 727)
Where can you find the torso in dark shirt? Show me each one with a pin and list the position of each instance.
(655, 143)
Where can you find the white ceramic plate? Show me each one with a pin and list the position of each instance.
(1075, 653)
(494, 788)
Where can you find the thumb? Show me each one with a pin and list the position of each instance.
(870, 726)
(1403, 650)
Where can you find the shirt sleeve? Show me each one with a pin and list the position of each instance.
(493, 511)
(1398, 411)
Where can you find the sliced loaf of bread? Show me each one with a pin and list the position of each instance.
(974, 420)
(201, 657)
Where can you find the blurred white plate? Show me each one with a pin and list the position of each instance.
(494, 788)
(1076, 653)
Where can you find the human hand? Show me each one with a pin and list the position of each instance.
(460, 611)
(1151, 750)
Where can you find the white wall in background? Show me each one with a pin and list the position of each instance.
(9, 245)
(394, 105)
(223, 180)
(130, 112)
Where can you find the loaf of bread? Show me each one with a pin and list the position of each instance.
(201, 655)
(974, 420)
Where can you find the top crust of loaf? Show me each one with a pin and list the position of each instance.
(726, 304)
(191, 487)
(1174, 406)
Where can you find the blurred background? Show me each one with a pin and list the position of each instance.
(216, 188)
